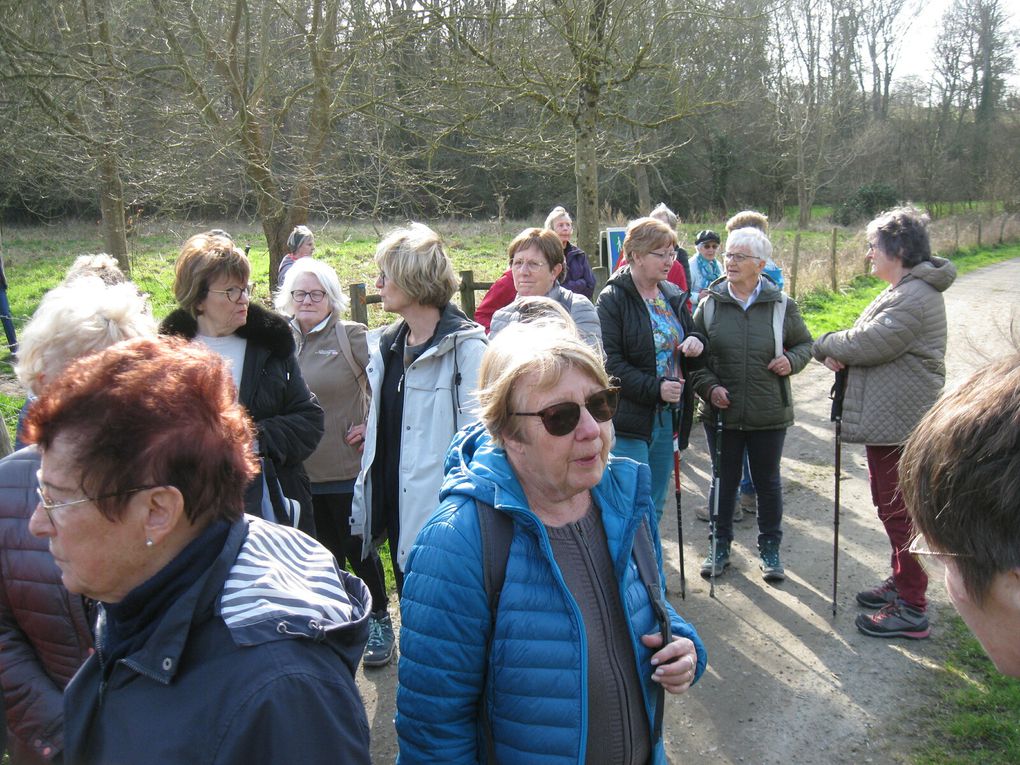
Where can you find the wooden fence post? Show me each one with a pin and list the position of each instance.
(359, 308)
(796, 263)
(979, 232)
(832, 253)
(601, 277)
(467, 293)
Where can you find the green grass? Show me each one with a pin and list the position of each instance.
(975, 719)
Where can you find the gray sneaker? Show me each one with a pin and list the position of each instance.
(381, 646)
(722, 560)
(771, 566)
(897, 619)
(879, 597)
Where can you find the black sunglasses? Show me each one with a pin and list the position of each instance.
(561, 419)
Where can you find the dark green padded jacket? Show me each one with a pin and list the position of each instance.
(741, 345)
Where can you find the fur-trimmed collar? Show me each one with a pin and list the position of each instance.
(263, 327)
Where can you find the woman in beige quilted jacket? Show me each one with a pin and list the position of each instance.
(895, 356)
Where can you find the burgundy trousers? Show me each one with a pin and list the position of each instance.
(908, 574)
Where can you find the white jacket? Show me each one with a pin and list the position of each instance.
(435, 408)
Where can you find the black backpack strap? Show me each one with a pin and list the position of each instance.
(648, 570)
(497, 531)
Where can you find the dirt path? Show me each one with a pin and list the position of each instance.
(787, 682)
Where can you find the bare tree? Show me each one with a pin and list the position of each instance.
(62, 64)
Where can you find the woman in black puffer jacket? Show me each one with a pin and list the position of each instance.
(650, 345)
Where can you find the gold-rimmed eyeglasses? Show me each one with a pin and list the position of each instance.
(931, 559)
(49, 505)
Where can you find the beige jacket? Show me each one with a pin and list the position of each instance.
(336, 385)
(896, 354)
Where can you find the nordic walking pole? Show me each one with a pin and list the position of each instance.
(837, 394)
(716, 485)
(679, 517)
(677, 420)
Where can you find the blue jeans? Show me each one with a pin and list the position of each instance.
(764, 450)
(658, 455)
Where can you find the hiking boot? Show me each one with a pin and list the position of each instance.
(704, 514)
(749, 503)
(879, 597)
(381, 646)
(895, 619)
(771, 567)
(722, 560)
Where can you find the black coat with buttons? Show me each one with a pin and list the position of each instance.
(630, 355)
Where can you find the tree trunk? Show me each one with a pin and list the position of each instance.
(586, 174)
(111, 203)
(644, 192)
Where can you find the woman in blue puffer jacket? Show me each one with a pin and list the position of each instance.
(572, 661)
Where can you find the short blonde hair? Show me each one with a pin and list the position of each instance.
(327, 278)
(544, 349)
(414, 259)
(76, 319)
(555, 214)
(748, 219)
(204, 258)
(645, 234)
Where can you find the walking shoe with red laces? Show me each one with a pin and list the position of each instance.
(878, 597)
(896, 619)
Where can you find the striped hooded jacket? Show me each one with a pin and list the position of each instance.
(255, 662)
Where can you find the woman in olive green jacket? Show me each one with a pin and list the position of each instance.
(756, 340)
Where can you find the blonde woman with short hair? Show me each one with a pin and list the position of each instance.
(422, 369)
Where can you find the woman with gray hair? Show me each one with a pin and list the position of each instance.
(756, 340)
(577, 274)
(535, 624)
(333, 355)
(422, 370)
(44, 630)
(894, 357)
(300, 244)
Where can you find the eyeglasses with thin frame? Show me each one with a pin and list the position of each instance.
(670, 255)
(49, 506)
(298, 296)
(928, 558)
(738, 257)
(528, 265)
(561, 419)
(234, 293)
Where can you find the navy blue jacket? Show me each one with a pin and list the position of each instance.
(254, 663)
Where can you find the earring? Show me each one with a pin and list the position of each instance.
(148, 542)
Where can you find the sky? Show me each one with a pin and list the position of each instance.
(919, 43)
